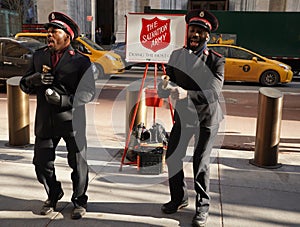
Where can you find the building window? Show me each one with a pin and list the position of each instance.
(208, 5)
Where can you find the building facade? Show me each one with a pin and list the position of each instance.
(79, 10)
(127, 6)
(265, 5)
(110, 15)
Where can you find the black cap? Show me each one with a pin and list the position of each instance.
(62, 21)
(202, 18)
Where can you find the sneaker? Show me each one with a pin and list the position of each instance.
(200, 219)
(78, 212)
(50, 205)
(172, 207)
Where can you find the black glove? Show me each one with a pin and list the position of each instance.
(162, 91)
(53, 97)
(38, 79)
(47, 78)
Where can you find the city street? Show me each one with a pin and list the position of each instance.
(238, 99)
(242, 194)
(136, 73)
(117, 137)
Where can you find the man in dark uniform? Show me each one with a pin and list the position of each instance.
(196, 75)
(63, 82)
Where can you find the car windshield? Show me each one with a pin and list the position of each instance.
(91, 43)
(40, 38)
(241, 54)
(221, 50)
(33, 46)
(120, 45)
(30, 43)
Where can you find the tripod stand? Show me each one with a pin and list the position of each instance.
(154, 102)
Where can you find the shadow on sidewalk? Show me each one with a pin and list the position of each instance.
(241, 142)
(26, 213)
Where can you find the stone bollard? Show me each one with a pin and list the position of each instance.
(270, 103)
(18, 113)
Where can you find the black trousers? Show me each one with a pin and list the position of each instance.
(179, 139)
(44, 157)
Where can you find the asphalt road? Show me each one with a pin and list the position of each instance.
(238, 99)
(241, 99)
(136, 74)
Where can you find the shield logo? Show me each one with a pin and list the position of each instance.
(155, 33)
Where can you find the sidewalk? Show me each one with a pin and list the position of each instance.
(242, 194)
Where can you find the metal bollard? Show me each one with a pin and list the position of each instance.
(18, 113)
(270, 103)
(132, 93)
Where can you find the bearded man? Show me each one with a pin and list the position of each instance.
(196, 76)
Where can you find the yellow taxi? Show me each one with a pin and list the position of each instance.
(107, 62)
(247, 66)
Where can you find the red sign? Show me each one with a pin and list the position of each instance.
(89, 18)
(155, 34)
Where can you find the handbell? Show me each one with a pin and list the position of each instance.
(46, 69)
(165, 82)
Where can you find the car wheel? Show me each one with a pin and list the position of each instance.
(269, 78)
(101, 71)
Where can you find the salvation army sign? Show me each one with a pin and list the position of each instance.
(152, 37)
(155, 33)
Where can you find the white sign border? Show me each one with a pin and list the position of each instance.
(136, 52)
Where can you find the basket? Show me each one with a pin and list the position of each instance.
(152, 98)
(151, 161)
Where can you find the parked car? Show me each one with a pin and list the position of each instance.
(107, 62)
(120, 49)
(247, 66)
(15, 56)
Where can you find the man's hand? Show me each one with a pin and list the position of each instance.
(52, 97)
(39, 79)
(47, 78)
(178, 93)
(34, 80)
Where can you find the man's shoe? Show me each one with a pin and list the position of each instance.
(50, 205)
(47, 208)
(172, 207)
(200, 219)
(78, 212)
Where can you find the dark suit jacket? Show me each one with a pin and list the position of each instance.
(203, 76)
(74, 80)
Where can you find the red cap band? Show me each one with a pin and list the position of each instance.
(201, 19)
(66, 26)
